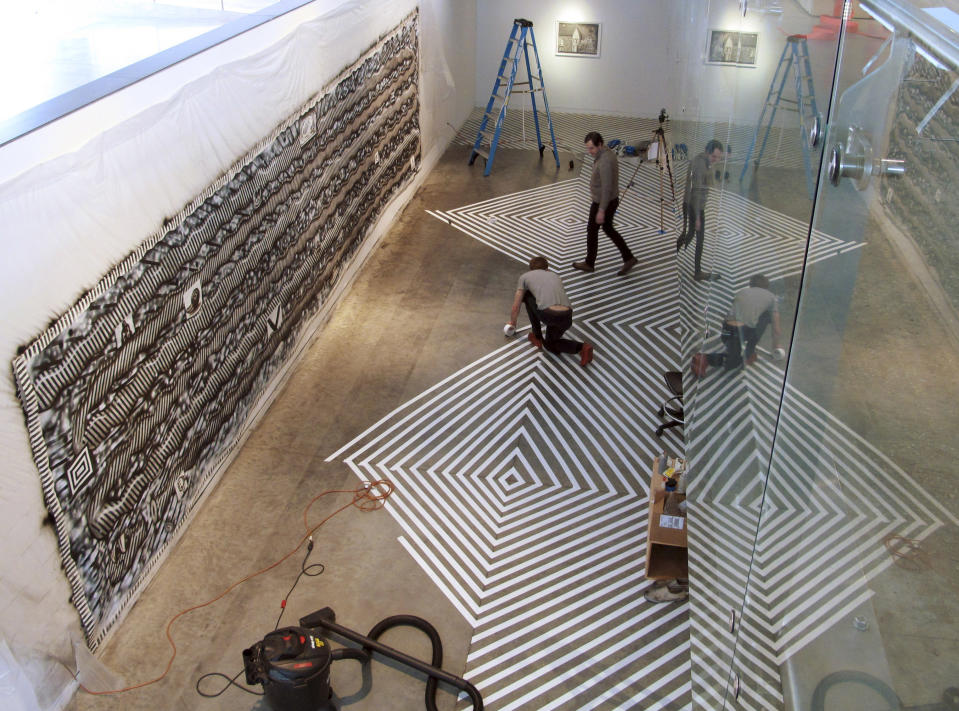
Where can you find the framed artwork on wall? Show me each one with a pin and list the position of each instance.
(577, 39)
(737, 49)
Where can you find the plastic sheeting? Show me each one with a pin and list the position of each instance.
(84, 192)
(135, 396)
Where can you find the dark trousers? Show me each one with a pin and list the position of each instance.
(733, 337)
(592, 233)
(689, 231)
(556, 322)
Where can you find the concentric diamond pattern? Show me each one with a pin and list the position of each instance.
(522, 480)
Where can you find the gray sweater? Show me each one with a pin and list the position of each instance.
(604, 183)
(697, 183)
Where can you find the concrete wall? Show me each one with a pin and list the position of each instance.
(42, 276)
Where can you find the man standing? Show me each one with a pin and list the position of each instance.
(547, 304)
(694, 203)
(604, 192)
(751, 311)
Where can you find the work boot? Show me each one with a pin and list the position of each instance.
(585, 355)
(627, 265)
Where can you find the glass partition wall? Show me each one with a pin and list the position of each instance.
(869, 584)
(823, 479)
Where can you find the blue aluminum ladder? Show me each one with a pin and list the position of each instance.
(795, 57)
(488, 135)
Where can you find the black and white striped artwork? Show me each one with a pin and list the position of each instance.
(138, 393)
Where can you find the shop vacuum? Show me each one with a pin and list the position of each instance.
(293, 663)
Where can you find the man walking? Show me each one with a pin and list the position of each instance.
(547, 304)
(694, 203)
(604, 192)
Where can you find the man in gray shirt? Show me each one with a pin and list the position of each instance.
(604, 192)
(694, 203)
(547, 304)
(751, 311)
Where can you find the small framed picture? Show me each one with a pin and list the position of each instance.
(577, 39)
(737, 49)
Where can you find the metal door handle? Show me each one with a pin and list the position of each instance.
(855, 160)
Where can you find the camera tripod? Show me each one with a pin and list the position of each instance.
(662, 160)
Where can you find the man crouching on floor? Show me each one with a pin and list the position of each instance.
(547, 305)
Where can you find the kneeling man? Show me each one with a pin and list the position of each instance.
(547, 305)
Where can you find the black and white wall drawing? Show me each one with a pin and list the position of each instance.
(135, 396)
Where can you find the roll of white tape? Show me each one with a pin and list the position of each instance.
(508, 330)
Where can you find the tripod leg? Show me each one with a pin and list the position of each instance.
(662, 229)
(631, 179)
(669, 167)
(672, 184)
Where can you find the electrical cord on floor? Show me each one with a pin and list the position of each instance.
(229, 682)
(312, 571)
(371, 496)
(909, 554)
(307, 570)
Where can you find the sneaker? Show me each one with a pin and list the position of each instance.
(627, 265)
(583, 266)
(585, 355)
(750, 359)
(660, 592)
(537, 343)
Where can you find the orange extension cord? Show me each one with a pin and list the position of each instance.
(372, 495)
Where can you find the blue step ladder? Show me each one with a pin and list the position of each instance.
(795, 57)
(488, 135)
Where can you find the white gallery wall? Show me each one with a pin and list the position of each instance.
(629, 78)
(652, 56)
(80, 194)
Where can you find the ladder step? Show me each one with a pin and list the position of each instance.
(481, 152)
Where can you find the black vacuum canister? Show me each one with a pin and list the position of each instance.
(293, 664)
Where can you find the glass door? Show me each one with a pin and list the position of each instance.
(853, 588)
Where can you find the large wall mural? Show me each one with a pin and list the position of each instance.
(137, 394)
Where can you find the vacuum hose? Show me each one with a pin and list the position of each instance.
(325, 619)
(882, 688)
(437, 644)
